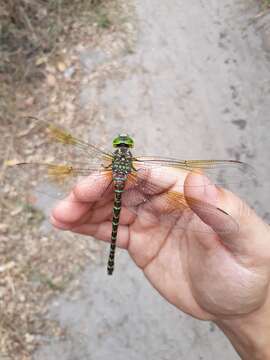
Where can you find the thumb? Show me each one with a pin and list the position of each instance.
(248, 235)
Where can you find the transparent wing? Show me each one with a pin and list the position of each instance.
(37, 139)
(48, 159)
(221, 172)
(165, 204)
(53, 180)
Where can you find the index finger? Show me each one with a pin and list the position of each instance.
(81, 199)
(94, 187)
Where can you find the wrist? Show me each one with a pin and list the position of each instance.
(249, 334)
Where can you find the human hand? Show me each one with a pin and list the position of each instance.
(219, 277)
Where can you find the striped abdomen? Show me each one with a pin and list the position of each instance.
(119, 188)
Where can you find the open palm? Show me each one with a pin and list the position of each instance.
(206, 275)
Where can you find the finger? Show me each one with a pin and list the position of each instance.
(70, 210)
(94, 188)
(60, 225)
(251, 234)
(151, 180)
(203, 198)
(94, 215)
(105, 212)
(103, 232)
(82, 198)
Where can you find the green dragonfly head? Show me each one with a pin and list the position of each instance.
(123, 140)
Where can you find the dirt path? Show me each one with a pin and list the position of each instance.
(196, 85)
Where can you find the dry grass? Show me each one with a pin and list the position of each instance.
(33, 269)
(32, 32)
(38, 42)
(30, 28)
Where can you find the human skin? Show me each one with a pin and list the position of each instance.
(220, 277)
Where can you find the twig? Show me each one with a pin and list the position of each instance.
(261, 14)
(28, 23)
(7, 152)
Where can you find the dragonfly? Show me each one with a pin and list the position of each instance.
(128, 179)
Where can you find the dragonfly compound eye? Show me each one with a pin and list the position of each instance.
(123, 140)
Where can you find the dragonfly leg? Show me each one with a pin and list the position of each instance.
(106, 167)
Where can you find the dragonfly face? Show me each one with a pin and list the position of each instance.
(135, 182)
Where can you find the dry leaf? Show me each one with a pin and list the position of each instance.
(7, 266)
(17, 211)
(41, 60)
(11, 162)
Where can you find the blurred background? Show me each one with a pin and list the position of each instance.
(187, 80)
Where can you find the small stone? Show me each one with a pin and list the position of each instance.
(29, 338)
(61, 66)
(51, 80)
(240, 123)
(69, 72)
(29, 101)
(3, 228)
(22, 298)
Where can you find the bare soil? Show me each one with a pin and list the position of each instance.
(42, 78)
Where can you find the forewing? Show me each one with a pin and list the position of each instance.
(49, 160)
(37, 139)
(220, 172)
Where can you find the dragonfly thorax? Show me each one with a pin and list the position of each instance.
(122, 162)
